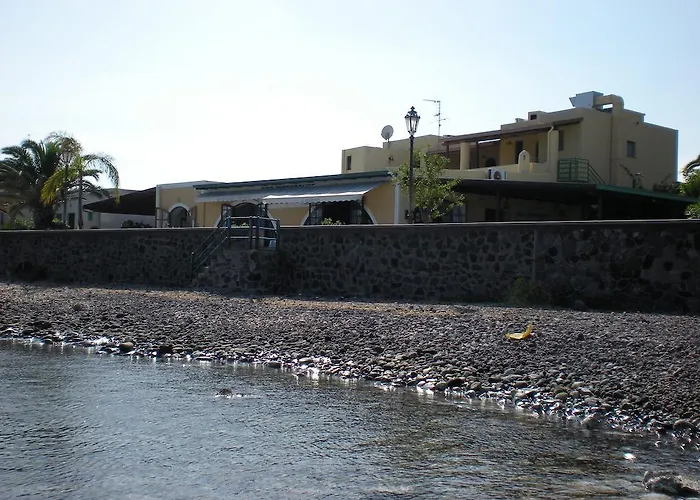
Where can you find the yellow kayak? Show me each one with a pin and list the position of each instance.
(521, 335)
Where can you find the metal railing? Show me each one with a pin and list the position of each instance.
(260, 232)
(577, 170)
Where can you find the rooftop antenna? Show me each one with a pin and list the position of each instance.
(387, 133)
(438, 115)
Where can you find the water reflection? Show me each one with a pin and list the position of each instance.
(79, 424)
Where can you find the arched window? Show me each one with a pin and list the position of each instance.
(179, 217)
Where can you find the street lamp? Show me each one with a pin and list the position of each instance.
(412, 120)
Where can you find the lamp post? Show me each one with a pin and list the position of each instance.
(412, 120)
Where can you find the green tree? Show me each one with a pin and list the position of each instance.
(691, 186)
(692, 167)
(24, 170)
(73, 178)
(37, 175)
(432, 193)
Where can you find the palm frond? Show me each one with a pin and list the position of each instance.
(37, 174)
(691, 167)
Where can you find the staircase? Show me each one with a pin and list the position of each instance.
(233, 257)
(577, 170)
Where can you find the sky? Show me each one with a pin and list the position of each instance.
(231, 90)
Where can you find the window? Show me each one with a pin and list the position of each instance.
(561, 140)
(631, 149)
(346, 212)
(458, 214)
(536, 159)
(89, 215)
(71, 220)
(348, 162)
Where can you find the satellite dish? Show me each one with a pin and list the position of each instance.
(387, 132)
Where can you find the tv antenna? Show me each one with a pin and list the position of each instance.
(438, 115)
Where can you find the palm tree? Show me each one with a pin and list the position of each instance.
(76, 170)
(24, 171)
(692, 166)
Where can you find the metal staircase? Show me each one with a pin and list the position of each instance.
(259, 233)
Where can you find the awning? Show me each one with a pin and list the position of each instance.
(294, 195)
(136, 203)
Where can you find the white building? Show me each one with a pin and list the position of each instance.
(96, 220)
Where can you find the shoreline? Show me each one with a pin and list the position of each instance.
(632, 372)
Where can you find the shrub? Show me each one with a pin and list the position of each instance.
(58, 224)
(128, 224)
(330, 222)
(17, 225)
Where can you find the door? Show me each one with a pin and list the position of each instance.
(226, 214)
(518, 149)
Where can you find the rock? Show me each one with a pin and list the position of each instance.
(684, 425)
(561, 396)
(125, 347)
(475, 386)
(670, 483)
(164, 349)
(592, 421)
(274, 364)
(441, 386)
(525, 394)
(41, 324)
(306, 361)
(455, 382)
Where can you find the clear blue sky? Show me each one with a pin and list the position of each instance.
(227, 90)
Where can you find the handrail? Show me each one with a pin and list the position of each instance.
(226, 231)
(577, 170)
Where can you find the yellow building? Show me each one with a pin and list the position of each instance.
(594, 160)
(360, 198)
(557, 165)
(614, 143)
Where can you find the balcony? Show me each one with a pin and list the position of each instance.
(577, 170)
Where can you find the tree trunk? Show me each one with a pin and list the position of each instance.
(43, 217)
(80, 201)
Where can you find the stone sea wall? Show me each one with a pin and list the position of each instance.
(647, 265)
(133, 256)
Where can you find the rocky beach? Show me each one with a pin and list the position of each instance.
(630, 371)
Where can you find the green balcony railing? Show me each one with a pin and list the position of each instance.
(577, 170)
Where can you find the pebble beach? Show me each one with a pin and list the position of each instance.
(630, 371)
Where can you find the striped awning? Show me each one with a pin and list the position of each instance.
(293, 195)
